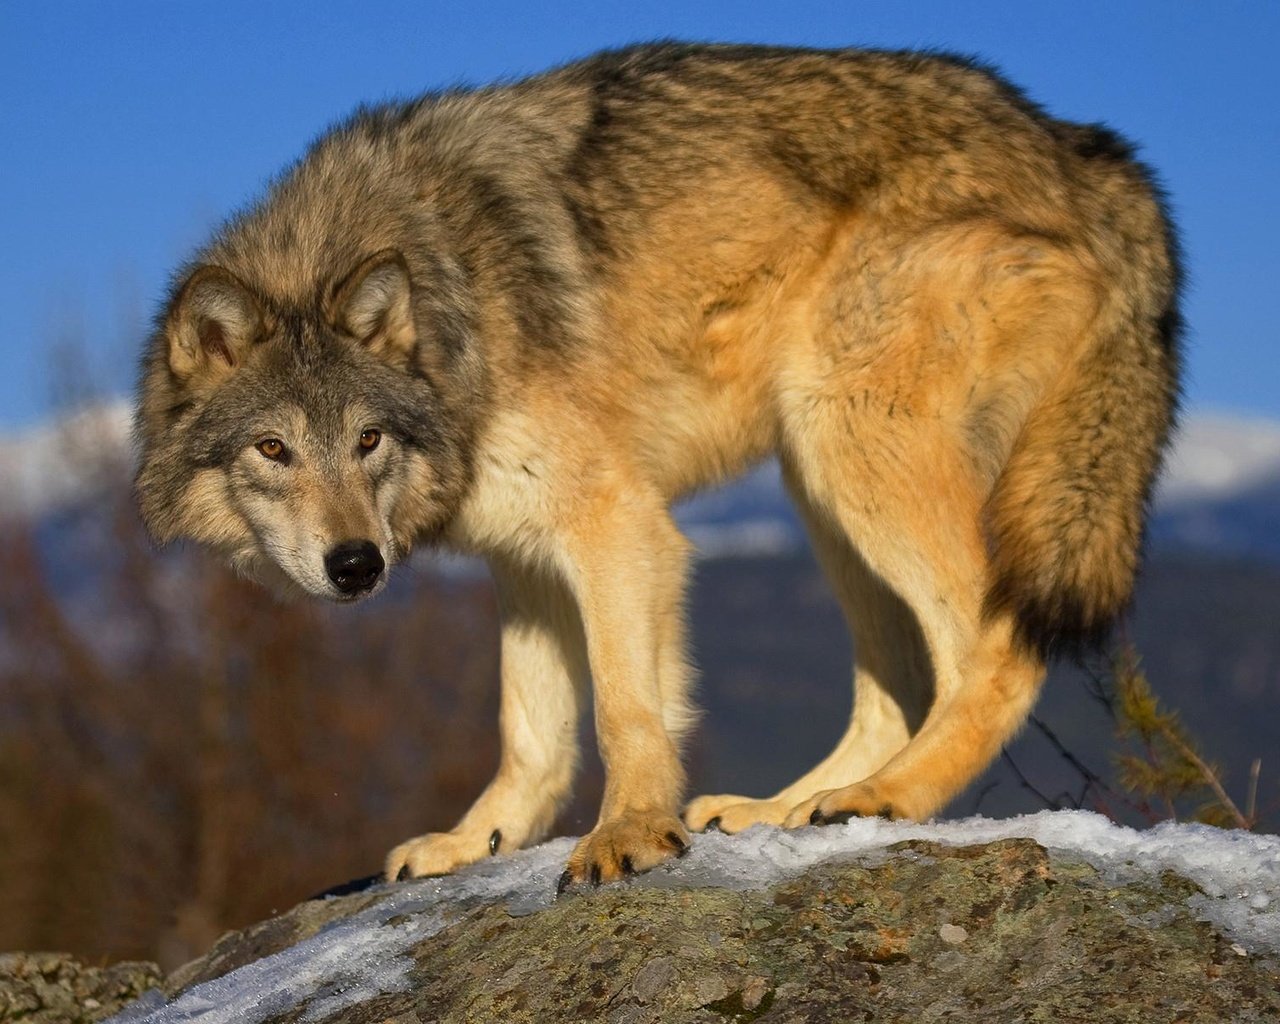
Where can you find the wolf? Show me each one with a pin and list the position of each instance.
(521, 321)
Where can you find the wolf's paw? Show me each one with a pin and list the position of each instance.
(437, 853)
(631, 842)
(732, 813)
(834, 806)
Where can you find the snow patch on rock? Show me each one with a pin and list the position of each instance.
(367, 954)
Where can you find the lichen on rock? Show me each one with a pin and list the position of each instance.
(998, 932)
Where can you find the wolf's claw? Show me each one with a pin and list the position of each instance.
(626, 845)
(836, 806)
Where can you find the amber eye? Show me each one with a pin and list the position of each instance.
(272, 448)
(369, 439)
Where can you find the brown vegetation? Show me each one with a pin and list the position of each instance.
(1160, 762)
(1160, 772)
(180, 753)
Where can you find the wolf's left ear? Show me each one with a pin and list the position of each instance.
(374, 305)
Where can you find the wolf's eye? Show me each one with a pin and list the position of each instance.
(369, 439)
(272, 448)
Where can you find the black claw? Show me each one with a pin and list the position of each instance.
(817, 818)
(713, 824)
(595, 874)
(403, 874)
(495, 840)
(627, 868)
(681, 846)
(566, 880)
(885, 812)
(841, 817)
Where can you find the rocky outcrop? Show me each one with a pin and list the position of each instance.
(921, 932)
(53, 988)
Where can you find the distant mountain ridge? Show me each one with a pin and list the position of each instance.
(47, 468)
(1220, 491)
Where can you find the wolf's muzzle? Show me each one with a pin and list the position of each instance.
(354, 565)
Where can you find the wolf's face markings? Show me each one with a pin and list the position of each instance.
(300, 418)
(318, 502)
(312, 484)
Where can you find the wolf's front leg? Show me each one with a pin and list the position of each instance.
(544, 675)
(628, 575)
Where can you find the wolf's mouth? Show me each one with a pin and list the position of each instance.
(354, 597)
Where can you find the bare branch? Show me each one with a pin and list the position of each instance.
(1251, 801)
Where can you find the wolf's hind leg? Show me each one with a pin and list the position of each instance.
(544, 677)
(908, 497)
(892, 682)
(999, 686)
(903, 412)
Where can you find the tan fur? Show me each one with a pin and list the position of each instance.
(931, 301)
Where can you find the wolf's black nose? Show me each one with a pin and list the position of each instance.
(354, 565)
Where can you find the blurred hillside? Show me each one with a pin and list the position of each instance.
(775, 657)
(181, 754)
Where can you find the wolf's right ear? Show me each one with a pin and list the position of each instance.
(374, 304)
(211, 324)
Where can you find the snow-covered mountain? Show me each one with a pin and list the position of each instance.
(49, 468)
(1217, 456)
(1220, 491)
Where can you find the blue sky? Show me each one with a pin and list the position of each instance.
(128, 129)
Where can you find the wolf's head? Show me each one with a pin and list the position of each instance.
(309, 443)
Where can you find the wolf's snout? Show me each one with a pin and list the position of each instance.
(354, 565)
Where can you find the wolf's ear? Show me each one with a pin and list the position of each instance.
(374, 304)
(211, 324)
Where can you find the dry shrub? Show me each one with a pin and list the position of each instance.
(181, 753)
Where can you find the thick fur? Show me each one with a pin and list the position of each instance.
(562, 304)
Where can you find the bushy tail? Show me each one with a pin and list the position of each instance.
(1066, 517)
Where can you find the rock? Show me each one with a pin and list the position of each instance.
(53, 988)
(652, 979)
(1002, 932)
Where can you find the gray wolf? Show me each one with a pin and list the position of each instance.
(521, 321)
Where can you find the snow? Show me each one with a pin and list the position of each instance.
(369, 953)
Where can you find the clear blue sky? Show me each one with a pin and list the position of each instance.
(128, 129)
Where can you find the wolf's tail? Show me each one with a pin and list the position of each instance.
(1066, 517)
